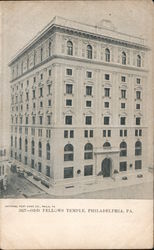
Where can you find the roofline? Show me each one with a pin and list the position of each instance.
(51, 24)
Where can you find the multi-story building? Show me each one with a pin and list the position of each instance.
(3, 168)
(80, 98)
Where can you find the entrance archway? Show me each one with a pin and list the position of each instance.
(106, 167)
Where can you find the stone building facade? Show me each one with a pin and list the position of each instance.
(79, 103)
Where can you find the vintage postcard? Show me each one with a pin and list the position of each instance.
(76, 125)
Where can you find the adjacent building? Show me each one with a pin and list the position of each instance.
(80, 98)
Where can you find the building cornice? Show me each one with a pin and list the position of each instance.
(53, 27)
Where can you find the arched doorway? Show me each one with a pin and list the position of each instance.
(106, 167)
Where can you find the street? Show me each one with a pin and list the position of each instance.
(19, 187)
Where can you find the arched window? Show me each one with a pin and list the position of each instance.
(68, 152)
(106, 145)
(138, 61)
(48, 151)
(69, 48)
(20, 143)
(33, 147)
(41, 54)
(123, 58)
(26, 145)
(107, 55)
(40, 149)
(89, 51)
(88, 151)
(49, 48)
(138, 148)
(123, 149)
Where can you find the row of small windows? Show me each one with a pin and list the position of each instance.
(69, 120)
(89, 54)
(88, 169)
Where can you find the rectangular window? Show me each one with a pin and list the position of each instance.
(88, 170)
(89, 74)
(106, 104)
(41, 92)
(104, 133)
(33, 119)
(138, 95)
(68, 120)
(109, 133)
(121, 132)
(41, 76)
(39, 132)
(88, 104)
(49, 72)
(34, 105)
(25, 160)
(137, 106)
(41, 120)
(125, 132)
(48, 171)
(123, 105)
(138, 80)
(91, 133)
(69, 88)
(32, 163)
(86, 133)
(122, 120)
(106, 120)
(68, 172)
(71, 133)
(69, 72)
(123, 166)
(65, 133)
(26, 120)
(88, 90)
(107, 77)
(68, 102)
(33, 93)
(138, 120)
(140, 132)
(49, 103)
(34, 79)
(49, 89)
(48, 119)
(107, 92)
(123, 79)
(123, 93)
(39, 166)
(138, 164)
(88, 120)
(136, 132)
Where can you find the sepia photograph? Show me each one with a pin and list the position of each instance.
(77, 120)
(76, 124)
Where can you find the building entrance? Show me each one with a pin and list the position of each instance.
(106, 167)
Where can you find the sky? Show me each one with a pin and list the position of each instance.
(21, 21)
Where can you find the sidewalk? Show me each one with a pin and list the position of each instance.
(100, 184)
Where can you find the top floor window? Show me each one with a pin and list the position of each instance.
(41, 54)
(49, 48)
(69, 48)
(89, 51)
(138, 61)
(123, 58)
(107, 55)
